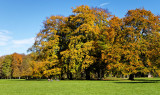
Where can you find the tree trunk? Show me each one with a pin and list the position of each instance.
(87, 74)
(81, 75)
(67, 75)
(131, 77)
(70, 76)
(102, 74)
(99, 75)
(61, 77)
(67, 70)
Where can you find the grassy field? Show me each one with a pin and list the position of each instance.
(143, 86)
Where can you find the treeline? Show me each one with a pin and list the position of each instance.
(15, 66)
(91, 44)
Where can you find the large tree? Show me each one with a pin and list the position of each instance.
(112, 42)
(47, 46)
(83, 53)
(140, 26)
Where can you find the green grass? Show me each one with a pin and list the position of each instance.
(141, 86)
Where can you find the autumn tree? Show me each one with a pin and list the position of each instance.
(1, 63)
(140, 25)
(83, 53)
(129, 42)
(111, 43)
(17, 64)
(91, 41)
(46, 46)
(26, 66)
(153, 53)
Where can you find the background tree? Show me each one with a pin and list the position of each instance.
(17, 64)
(26, 66)
(1, 63)
(6, 66)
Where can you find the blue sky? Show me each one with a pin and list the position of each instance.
(21, 20)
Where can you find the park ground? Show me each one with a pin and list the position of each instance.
(140, 86)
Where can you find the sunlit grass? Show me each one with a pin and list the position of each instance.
(141, 86)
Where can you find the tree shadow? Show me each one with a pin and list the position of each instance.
(140, 81)
(28, 80)
(136, 82)
(147, 80)
(98, 79)
(112, 80)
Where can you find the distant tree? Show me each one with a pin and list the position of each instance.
(6, 66)
(17, 64)
(1, 63)
(26, 66)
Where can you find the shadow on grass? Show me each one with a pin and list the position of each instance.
(140, 81)
(147, 80)
(114, 80)
(137, 82)
(27, 79)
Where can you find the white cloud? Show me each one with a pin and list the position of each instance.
(4, 37)
(23, 41)
(9, 45)
(18, 46)
(103, 4)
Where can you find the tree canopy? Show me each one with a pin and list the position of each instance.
(91, 43)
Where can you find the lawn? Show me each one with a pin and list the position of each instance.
(141, 86)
